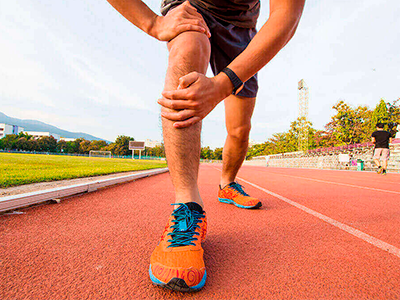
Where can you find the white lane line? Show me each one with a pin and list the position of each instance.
(357, 233)
(338, 183)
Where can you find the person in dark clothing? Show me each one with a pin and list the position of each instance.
(381, 138)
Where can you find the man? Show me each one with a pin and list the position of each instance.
(381, 139)
(222, 33)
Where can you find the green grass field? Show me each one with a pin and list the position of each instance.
(18, 169)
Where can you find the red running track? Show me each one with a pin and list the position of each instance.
(320, 234)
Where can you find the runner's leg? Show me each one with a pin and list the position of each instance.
(238, 112)
(384, 164)
(188, 52)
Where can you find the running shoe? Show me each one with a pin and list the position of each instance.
(380, 170)
(383, 172)
(177, 261)
(233, 193)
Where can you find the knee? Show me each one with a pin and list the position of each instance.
(190, 51)
(240, 133)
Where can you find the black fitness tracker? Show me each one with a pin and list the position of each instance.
(237, 83)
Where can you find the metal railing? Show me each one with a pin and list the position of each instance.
(80, 154)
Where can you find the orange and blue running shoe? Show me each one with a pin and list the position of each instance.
(177, 261)
(233, 193)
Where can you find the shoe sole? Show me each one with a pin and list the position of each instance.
(230, 201)
(178, 284)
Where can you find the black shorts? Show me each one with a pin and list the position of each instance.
(227, 41)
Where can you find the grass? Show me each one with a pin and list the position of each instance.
(19, 169)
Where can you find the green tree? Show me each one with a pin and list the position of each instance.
(393, 116)
(206, 153)
(61, 146)
(47, 143)
(349, 125)
(121, 145)
(217, 154)
(9, 141)
(380, 115)
(22, 144)
(84, 147)
(98, 145)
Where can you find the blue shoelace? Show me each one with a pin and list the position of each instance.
(238, 187)
(185, 225)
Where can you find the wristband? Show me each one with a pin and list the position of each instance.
(236, 82)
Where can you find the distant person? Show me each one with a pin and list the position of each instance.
(201, 32)
(381, 138)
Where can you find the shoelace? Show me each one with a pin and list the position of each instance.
(185, 225)
(239, 188)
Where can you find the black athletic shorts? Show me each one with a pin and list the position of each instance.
(227, 42)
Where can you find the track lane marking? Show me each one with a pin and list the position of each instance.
(338, 183)
(353, 231)
(352, 178)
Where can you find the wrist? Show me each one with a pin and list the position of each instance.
(152, 28)
(225, 85)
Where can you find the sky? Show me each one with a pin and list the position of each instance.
(80, 66)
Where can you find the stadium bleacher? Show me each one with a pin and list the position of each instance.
(328, 158)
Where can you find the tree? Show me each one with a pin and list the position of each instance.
(9, 141)
(84, 146)
(47, 143)
(61, 146)
(393, 116)
(121, 145)
(380, 115)
(217, 154)
(22, 144)
(98, 145)
(206, 153)
(349, 125)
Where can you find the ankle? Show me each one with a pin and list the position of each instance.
(224, 183)
(189, 196)
(186, 200)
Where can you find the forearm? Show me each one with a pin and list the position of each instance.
(271, 38)
(137, 12)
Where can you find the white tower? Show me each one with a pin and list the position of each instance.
(303, 116)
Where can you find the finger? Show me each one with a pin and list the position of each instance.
(196, 21)
(187, 123)
(189, 27)
(184, 94)
(188, 79)
(189, 12)
(187, 4)
(189, 7)
(178, 116)
(193, 12)
(175, 104)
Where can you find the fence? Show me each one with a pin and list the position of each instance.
(329, 158)
(80, 154)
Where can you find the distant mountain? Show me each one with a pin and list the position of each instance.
(33, 125)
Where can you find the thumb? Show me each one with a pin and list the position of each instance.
(187, 80)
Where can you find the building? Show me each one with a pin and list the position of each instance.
(39, 134)
(67, 139)
(6, 129)
(152, 144)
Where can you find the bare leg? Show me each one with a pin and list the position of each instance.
(384, 164)
(238, 112)
(188, 52)
(376, 161)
